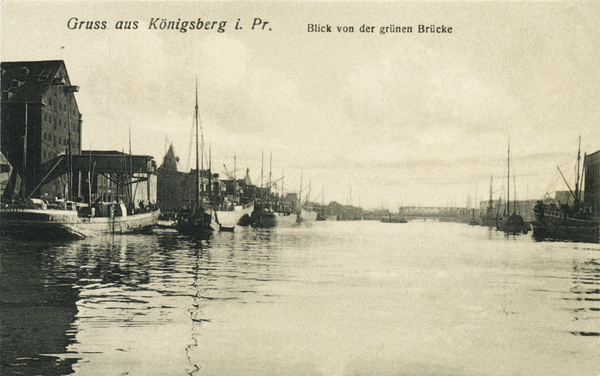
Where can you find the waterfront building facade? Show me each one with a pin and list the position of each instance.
(40, 121)
(592, 177)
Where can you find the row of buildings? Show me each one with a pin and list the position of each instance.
(42, 157)
(41, 153)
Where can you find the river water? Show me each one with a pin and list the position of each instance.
(338, 298)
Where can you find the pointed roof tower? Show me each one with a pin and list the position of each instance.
(247, 179)
(170, 160)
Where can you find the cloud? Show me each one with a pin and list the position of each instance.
(223, 62)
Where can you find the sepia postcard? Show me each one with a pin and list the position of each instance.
(385, 110)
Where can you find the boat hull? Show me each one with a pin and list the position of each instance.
(488, 220)
(557, 225)
(56, 224)
(273, 219)
(229, 219)
(513, 224)
(200, 225)
(307, 216)
(393, 220)
(167, 225)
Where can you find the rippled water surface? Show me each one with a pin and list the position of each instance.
(340, 298)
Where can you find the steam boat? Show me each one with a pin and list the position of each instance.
(578, 221)
(72, 220)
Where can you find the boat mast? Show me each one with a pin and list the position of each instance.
(164, 198)
(270, 177)
(130, 190)
(300, 196)
(491, 202)
(308, 195)
(197, 158)
(322, 198)
(515, 203)
(235, 185)
(566, 182)
(577, 181)
(508, 185)
(70, 159)
(90, 177)
(583, 171)
(23, 195)
(211, 193)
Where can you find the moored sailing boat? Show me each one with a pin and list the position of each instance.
(489, 218)
(305, 215)
(511, 223)
(233, 208)
(268, 215)
(321, 215)
(578, 221)
(201, 220)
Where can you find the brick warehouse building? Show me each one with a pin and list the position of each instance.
(39, 115)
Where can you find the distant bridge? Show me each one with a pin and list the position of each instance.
(434, 212)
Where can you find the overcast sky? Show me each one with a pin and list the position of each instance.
(381, 120)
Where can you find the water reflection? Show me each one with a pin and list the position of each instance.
(337, 299)
(37, 309)
(586, 292)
